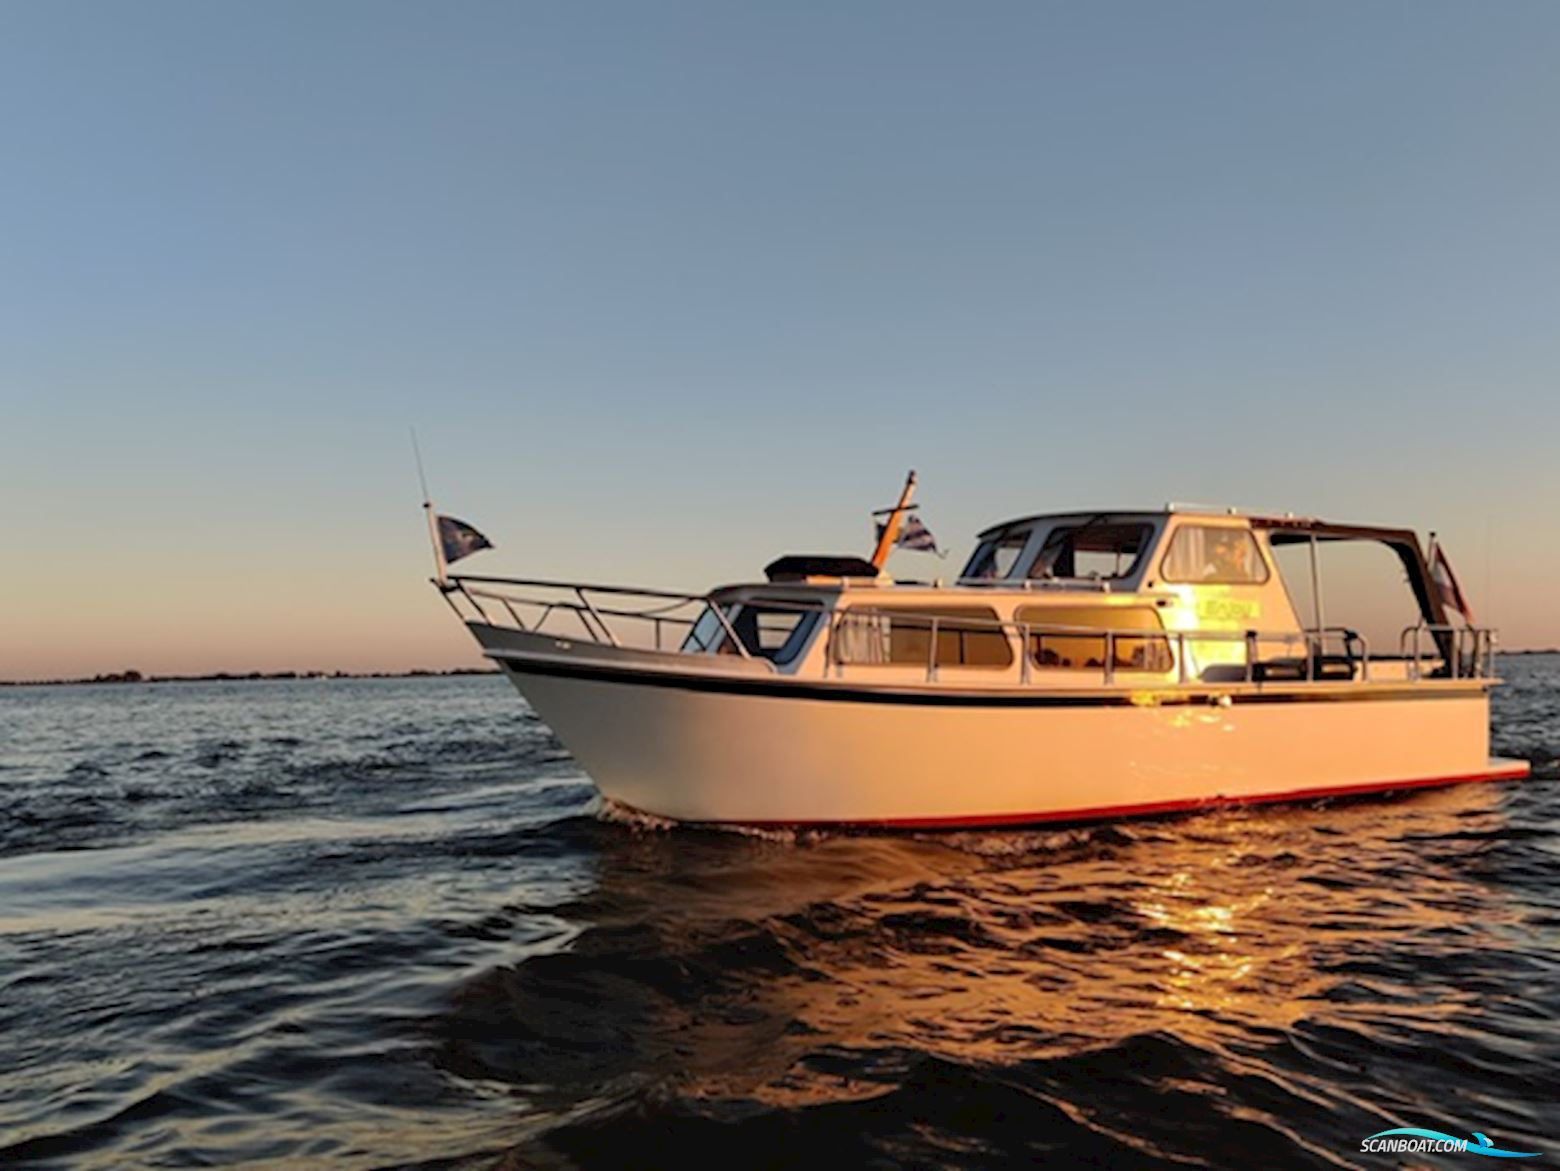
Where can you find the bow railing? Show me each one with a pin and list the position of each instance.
(612, 615)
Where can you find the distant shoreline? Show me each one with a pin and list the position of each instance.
(123, 677)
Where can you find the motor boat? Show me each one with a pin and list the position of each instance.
(1082, 665)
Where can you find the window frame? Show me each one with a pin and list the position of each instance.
(1154, 638)
(985, 623)
(1147, 532)
(709, 635)
(1019, 536)
(797, 640)
(708, 642)
(1249, 534)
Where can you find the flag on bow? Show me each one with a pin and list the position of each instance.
(1446, 583)
(914, 535)
(458, 539)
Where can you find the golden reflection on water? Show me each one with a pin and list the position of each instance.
(1221, 930)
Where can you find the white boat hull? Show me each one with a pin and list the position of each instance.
(767, 751)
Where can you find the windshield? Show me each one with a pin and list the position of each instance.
(1095, 550)
(777, 631)
(995, 557)
(707, 632)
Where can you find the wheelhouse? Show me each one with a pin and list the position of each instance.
(1073, 547)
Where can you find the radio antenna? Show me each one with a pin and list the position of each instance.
(417, 455)
(440, 570)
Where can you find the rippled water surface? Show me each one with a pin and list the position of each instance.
(385, 923)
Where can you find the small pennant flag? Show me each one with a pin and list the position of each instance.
(915, 535)
(458, 539)
(1446, 583)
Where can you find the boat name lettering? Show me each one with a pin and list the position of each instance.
(1228, 610)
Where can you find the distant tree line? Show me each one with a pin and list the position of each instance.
(130, 675)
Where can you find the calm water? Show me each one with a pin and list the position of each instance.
(369, 924)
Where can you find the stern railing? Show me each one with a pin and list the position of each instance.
(1457, 652)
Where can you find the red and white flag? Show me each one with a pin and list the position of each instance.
(1446, 583)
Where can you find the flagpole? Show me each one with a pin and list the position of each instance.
(440, 573)
(896, 518)
(1441, 564)
(439, 568)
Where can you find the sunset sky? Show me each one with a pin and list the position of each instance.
(670, 288)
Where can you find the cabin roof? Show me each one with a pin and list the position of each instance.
(1304, 526)
(1298, 525)
(1103, 513)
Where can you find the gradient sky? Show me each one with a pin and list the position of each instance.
(669, 288)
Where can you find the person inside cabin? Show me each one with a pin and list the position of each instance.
(1228, 557)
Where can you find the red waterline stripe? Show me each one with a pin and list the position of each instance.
(1514, 773)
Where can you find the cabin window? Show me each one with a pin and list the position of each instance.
(995, 558)
(774, 632)
(768, 630)
(1075, 636)
(706, 633)
(1214, 555)
(1094, 550)
(967, 636)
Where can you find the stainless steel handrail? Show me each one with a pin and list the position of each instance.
(658, 615)
(593, 617)
(1472, 648)
(1461, 652)
(1315, 643)
(545, 583)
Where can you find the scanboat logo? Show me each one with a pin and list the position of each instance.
(1412, 1139)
